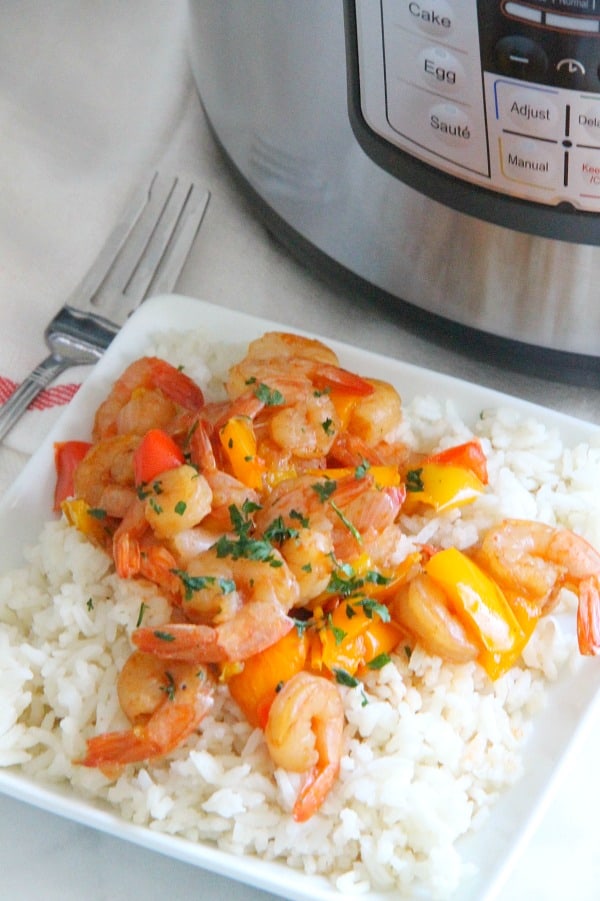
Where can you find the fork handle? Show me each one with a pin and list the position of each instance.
(13, 408)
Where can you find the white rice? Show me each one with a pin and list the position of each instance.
(428, 746)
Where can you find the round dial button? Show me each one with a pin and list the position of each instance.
(521, 58)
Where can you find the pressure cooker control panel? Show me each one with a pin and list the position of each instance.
(498, 93)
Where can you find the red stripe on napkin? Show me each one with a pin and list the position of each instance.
(57, 396)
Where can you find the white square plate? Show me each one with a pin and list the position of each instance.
(557, 732)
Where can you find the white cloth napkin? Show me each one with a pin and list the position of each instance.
(91, 96)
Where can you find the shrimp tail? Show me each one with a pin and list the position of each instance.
(118, 748)
(161, 735)
(315, 789)
(180, 641)
(588, 617)
(254, 628)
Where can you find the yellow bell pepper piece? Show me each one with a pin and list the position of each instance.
(384, 476)
(239, 443)
(89, 522)
(344, 405)
(482, 608)
(441, 486)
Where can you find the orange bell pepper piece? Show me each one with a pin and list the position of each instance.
(255, 686)
(239, 443)
(353, 635)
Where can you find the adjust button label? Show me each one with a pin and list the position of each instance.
(531, 111)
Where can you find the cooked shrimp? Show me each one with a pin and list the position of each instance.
(304, 734)
(376, 417)
(421, 607)
(237, 607)
(309, 553)
(175, 500)
(279, 346)
(534, 561)
(226, 489)
(308, 427)
(147, 395)
(164, 702)
(293, 360)
(352, 505)
(105, 478)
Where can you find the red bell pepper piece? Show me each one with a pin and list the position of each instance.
(67, 457)
(157, 452)
(469, 456)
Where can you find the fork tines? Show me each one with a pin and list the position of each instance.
(147, 249)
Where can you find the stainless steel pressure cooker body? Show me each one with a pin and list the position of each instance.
(444, 153)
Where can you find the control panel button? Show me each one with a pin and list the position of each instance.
(522, 12)
(531, 162)
(450, 124)
(570, 23)
(529, 110)
(521, 57)
(585, 172)
(434, 17)
(587, 120)
(441, 70)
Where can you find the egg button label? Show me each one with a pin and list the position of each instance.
(440, 69)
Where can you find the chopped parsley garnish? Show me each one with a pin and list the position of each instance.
(350, 526)
(362, 469)
(414, 482)
(270, 397)
(169, 688)
(277, 532)
(342, 677)
(303, 520)
(180, 508)
(344, 581)
(371, 607)
(244, 546)
(142, 610)
(97, 512)
(164, 636)
(200, 583)
(379, 662)
(324, 489)
(338, 634)
(90, 604)
(328, 427)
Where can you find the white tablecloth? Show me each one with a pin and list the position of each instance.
(92, 95)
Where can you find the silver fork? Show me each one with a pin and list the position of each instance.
(142, 257)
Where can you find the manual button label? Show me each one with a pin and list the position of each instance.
(531, 162)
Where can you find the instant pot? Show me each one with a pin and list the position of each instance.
(443, 154)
